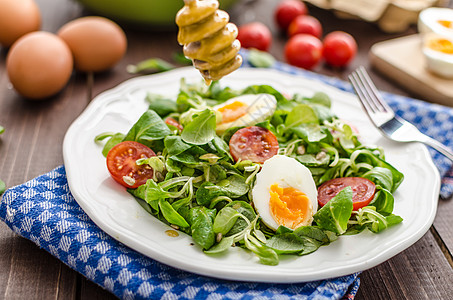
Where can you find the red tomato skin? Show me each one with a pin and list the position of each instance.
(305, 24)
(172, 122)
(121, 162)
(286, 11)
(339, 48)
(304, 51)
(253, 143)
(362, 190)
(255, 35)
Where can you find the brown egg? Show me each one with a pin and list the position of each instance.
(97, 43)
(39, 65)
(16, 19)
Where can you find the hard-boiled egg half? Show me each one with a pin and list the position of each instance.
(285, 193)
(436, 27)
(245, 110)
(436, 19)
(438, 52)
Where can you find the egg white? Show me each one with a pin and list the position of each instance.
(286, 172)
(259, 108)
(427, 20)
(437, 62)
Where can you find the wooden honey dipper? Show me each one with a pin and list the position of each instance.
(208, 38)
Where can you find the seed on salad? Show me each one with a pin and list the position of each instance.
(321, 155)
(219, 237)
(301, 150)
(129, 180)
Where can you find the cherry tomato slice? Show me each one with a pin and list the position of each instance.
(253, 143)
(362, 190)
(121, 162)
(172, 122)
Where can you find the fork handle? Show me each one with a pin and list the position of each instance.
(439, 147)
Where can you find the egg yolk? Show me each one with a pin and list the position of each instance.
(441, 45)
(446, 23)
(289, 206)
(233, 111)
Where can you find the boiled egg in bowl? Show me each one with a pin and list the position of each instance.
(285, 193)
(245, 110)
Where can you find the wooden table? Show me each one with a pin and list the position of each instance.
(32, 145)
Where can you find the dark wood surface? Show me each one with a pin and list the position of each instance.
(32, 145)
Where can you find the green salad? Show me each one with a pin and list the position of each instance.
(253, 168)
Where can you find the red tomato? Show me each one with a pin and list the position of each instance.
(339, 48)
(362, 190)
(255, 35)
(287, 10)
(253, 143)
(305, 24)
(172, 122)
(304, 51)
(121, 162)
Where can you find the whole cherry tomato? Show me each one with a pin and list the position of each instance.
(339, 48)
(305, 24)
(255, 35)
(287, 10)
(303, 50)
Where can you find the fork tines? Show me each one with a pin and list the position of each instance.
(367, 91)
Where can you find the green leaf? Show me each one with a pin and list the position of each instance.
(300, 114)
(286, 243)
(161, 105)
(2, 187)
(380, 176)
(260, 59)
(149, 66)
(225, 220)
(201, 220)
(311, 132)
(149, 127)
(171, 215)
(175, 145)
(334, 216)
(224, 244)
(2, 129)
(201, 129)
(383, 201)
(245, 209)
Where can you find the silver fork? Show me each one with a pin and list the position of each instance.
(384, 118)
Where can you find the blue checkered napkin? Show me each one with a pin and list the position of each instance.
(44, 211)
(432, 119)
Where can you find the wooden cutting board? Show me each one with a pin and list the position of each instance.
(401, 60)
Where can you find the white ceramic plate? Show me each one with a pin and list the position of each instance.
(117, 213)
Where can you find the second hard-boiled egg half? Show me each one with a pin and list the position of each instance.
(245, 110)
(285, 193)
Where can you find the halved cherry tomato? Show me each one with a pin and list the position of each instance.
(253, 143)
(362, 190)
(172, 122)
(121, 162)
